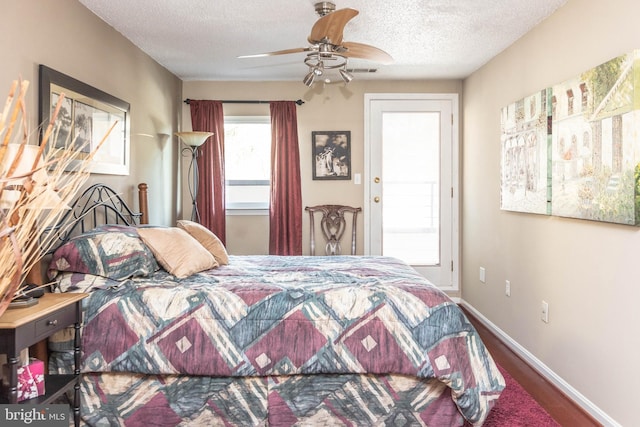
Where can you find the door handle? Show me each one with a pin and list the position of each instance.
(376, 180)
(376, 199)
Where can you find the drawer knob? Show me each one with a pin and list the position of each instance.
(53, 322)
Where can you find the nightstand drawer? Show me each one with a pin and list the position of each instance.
(55, 321)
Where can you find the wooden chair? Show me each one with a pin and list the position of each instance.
(333, 225)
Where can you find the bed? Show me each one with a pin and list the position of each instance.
(172, 339)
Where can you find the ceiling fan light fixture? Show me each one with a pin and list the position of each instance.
(346, 76)
(308, 79)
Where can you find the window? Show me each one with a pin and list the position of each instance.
(570, 102)
(247, 151)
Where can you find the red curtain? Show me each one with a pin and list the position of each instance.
(285, 210)
(208, 116)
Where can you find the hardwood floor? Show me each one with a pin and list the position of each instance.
(554, 401)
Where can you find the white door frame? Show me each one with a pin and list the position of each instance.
(453, 286)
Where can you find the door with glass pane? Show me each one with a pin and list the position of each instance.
(411, 189)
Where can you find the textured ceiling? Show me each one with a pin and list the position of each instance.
(428, 39)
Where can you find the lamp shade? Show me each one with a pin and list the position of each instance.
(45, 199)
(26, 162)
(194, 139)
(9, 198)
(42, 197)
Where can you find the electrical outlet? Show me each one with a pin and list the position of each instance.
(544, 312)
(507, 288)
(483, 276)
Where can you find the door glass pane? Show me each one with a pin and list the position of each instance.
(411, 187)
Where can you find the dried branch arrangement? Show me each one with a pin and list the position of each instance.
(36, 198)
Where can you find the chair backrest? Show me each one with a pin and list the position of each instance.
(333, 225)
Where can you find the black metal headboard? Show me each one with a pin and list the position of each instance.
(97, 205)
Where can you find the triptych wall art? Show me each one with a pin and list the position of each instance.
(573, 150)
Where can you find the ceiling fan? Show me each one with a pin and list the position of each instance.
(328, 51)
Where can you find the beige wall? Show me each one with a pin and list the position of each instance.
(332, 107)
(586, 271)
(67, 37)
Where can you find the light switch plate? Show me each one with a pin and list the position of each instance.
(544, 312)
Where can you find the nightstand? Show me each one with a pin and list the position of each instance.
(22, 327)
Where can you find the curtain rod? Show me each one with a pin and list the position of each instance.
(299, 102)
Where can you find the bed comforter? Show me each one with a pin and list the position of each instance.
(266, 316)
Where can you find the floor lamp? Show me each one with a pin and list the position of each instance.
(193, 140)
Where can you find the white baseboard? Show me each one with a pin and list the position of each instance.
(543, 369)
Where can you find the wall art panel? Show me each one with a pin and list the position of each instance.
(525, 155)
(595, 143)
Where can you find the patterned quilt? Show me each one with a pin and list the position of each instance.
(265, 316)
(134, 400)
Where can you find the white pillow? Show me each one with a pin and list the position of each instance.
(176, 251)
(207, 239)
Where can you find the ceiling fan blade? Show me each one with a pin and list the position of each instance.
(331, 26)
(365, 51)
(278, 52)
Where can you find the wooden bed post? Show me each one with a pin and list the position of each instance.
(144, 204)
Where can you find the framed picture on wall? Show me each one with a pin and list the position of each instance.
(331, 155)
(84, 119)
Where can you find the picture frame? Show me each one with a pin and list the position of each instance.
(331, 155)
(86, 115)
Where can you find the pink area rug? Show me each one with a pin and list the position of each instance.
(516, 408)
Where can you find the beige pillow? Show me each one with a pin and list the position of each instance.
(176, 251)
(207, 239)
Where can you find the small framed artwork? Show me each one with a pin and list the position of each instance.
(331, 152)
(85, 117)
